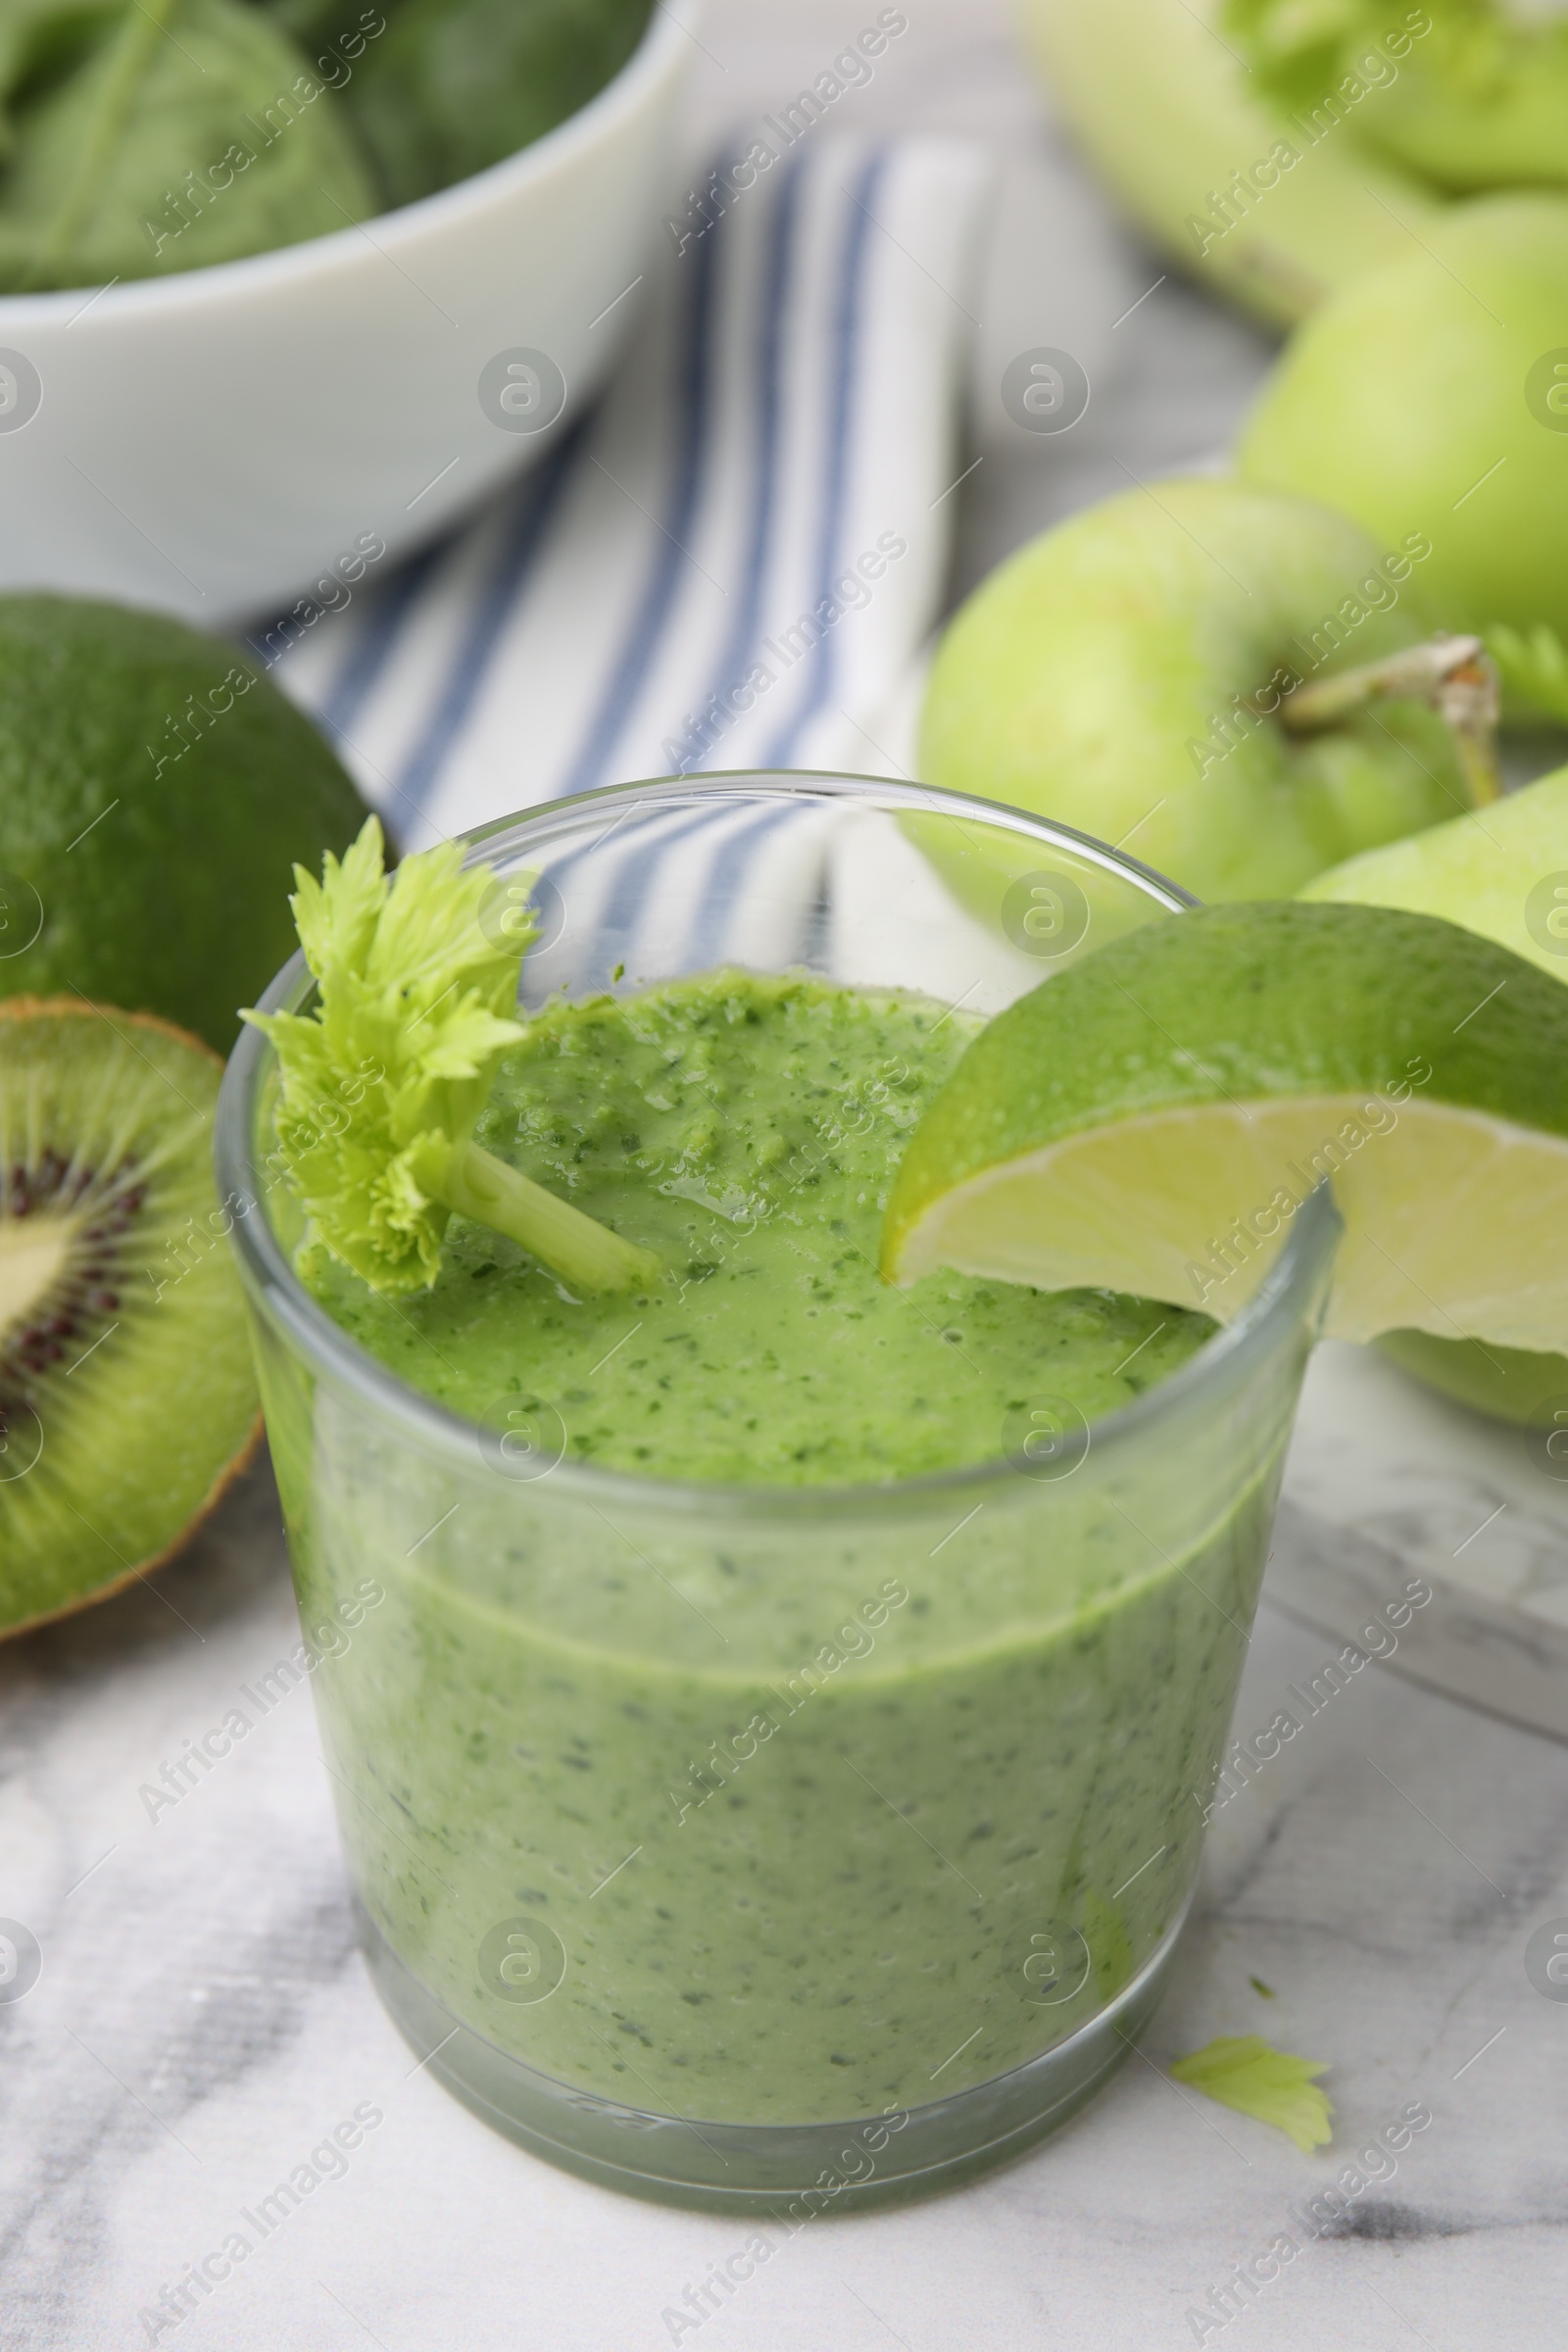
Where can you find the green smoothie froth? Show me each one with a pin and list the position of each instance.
(747, 1130)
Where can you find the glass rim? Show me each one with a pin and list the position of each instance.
(277, 1292)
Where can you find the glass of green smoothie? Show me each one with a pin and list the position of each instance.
(771, 1715)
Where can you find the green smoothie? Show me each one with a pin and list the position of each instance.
(748, 1130)
(765, 1811)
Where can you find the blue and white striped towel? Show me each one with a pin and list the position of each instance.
(734, 559)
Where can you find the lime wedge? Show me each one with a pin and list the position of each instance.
(1152, 1120)
(1502, 872)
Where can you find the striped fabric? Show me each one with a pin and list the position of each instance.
(733, 559)
(683, 881)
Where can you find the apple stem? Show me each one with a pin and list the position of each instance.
(1454, 676)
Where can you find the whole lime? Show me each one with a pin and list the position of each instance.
(156, 790)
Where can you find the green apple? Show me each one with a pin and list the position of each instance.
(1502, 872)
(1431, 396)
(1126, 675)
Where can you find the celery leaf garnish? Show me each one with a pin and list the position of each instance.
(382, 1083)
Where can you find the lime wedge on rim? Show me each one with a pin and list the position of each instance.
(1502, 872)
(1151, 1119)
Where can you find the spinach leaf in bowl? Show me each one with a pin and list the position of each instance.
(143, 137)
(453, 86)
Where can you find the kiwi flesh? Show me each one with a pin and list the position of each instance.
(127, 1397)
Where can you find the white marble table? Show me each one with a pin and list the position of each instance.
(202, 2021)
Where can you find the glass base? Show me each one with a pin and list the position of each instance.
(793, 2172)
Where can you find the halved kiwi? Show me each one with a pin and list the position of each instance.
(127, 1399)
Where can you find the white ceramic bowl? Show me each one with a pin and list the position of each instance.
(211, 442)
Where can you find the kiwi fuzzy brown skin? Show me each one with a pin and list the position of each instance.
(88, 1301)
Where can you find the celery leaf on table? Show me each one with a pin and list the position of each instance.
(1245, 2072)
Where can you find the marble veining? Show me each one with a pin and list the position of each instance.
(201, 2020)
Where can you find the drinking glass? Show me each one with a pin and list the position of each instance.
(769, 1848)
